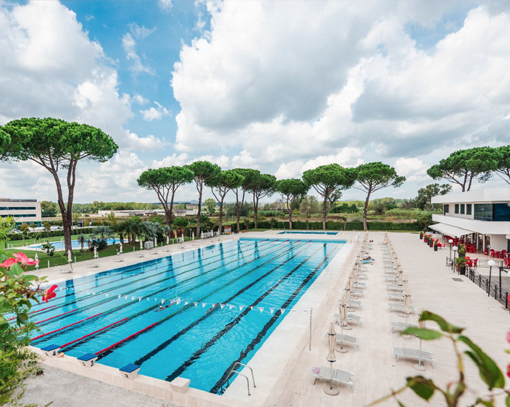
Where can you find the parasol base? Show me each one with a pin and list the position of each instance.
(342, 350)
(346, 327)
(419, 367)
(403, 315)
(331, 392)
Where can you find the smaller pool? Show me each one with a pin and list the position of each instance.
(76, 244)
(306, 233)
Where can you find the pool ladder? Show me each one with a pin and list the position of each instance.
(240, 374)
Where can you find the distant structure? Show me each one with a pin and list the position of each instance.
(22, 210)
(146, 212)
(480, 216)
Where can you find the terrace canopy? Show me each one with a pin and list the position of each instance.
(450, 230)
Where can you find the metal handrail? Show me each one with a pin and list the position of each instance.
(252, 375)
(246, 377)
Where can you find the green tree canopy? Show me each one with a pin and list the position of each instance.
(260, 186)
(463, 166)
(55, 145)
(503, 169)
(165, 182)
(308, 206)
(48, 209)
(220, 185)
(202, 172)
(426, 193)
(210, 204)
(328, 180)
(291, 190)
(372, 177)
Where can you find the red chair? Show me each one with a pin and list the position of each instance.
(475, 264)
(492, 253)
(469, 262)
(485, 252)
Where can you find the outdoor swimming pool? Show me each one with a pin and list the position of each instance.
(306, 233)
(253, 284)
(76, 244)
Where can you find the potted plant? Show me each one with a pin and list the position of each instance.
(421, 235)
(435, 244)
(460, 263)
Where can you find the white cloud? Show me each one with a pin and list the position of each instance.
(148, 143)
(283, 91)
(140, 32)
(165, 5)
(138, 99)
(154, 113)
(137, 67)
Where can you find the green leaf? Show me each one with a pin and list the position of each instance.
(400, 404)
(423, 387)
(425, 334)
(443, 324)
(486, 403)
(488, 369)
(507, 401)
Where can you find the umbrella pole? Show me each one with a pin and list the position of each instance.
(342, 349)
(419, 366)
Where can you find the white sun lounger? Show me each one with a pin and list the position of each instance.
(93, 266)
(339, 376)
(406, 353)
(351, 318)
(400, 307)
(394, 287)
(400, 326)
(345, 340)
(396, 297)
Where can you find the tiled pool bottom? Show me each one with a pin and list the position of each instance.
(253, 285)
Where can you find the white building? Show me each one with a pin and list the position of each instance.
(482, 216)
(22, 210)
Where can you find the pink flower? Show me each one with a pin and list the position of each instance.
(7, 264)
(24, 261)
(508, 336)
(49, 294)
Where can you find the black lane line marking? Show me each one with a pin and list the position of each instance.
(233, 323)
(185, 307)
(268, 325)
(200, 299)
(134, 267)
(162, 346)
(115, 296)
(54, 307)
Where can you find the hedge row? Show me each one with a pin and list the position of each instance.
(354, 225)
(42, 235)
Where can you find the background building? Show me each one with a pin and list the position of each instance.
(483, 216)
(22, 210)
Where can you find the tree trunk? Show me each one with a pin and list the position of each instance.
(199, 207)
(324, 211)
(290, 215)
(365, 210)
(169, 216)
(220, 219)
(255, 209)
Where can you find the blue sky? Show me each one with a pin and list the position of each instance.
(281, 86)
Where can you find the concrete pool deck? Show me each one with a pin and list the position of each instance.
(284, 380)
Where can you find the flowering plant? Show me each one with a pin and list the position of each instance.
(17, 289)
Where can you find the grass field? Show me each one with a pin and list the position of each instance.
(60, 259)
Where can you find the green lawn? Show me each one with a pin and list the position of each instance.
(60, 259)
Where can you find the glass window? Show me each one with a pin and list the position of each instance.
(483, 211)
(462, 209)
(468, 209)
(456, 208)
(446, 208)
(502, 212)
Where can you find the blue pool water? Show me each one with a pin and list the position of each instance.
(255, 284)
(306, 233)
(76, 244)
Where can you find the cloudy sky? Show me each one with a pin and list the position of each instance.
(281, 86)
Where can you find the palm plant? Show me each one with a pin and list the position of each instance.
(82, 239)
(102, 232)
